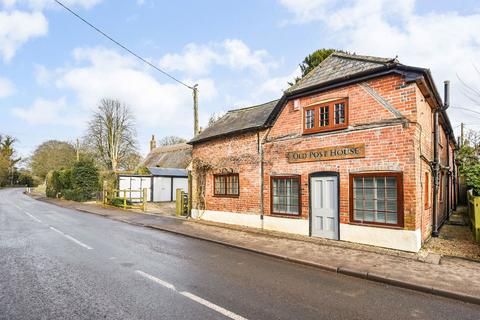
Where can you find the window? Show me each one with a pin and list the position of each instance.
(427, 190)
(309, 118)
(326, 116)
(377, 198)
(226, 185)
(285, 195)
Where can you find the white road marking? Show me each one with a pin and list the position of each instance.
(212, 306)
(193, 297)
(71, 238)
(32, 216)
(155, 279)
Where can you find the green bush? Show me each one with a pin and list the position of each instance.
(85, 179)
(118, 202)
(58, 181)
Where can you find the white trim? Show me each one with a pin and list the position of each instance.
(405, 240)
(289, 225)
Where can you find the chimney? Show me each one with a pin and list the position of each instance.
(153, 143)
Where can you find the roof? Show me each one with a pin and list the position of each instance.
(168, 172)
(337, 70)
(340, 65)
(237, 121)
(173, 156)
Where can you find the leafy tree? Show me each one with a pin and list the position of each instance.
(313, 60)
(4, 172)
(8, 153)
(171, 140)
(52, 155)
(470, 166)
(111, 133)
(25, 178)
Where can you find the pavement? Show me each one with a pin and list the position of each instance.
(448, 277)
(61, 263)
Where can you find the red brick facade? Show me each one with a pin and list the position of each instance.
(393, 143)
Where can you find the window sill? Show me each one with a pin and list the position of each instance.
(226, 196)
(288, 216)
(326, 130)
(385, 226)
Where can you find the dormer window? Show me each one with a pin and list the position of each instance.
(325, 116)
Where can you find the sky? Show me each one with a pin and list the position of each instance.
(54, 69)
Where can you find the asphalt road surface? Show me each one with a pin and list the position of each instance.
(57, 263)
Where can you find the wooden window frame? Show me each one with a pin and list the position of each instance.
(225, 195)
(427, 190)
(400, 200)
(331, 117)
(299, 214)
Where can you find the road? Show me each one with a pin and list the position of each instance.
(56, 263)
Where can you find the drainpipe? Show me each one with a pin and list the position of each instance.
(447, 182)
(436, 162)
(262, 182)
(435, 169)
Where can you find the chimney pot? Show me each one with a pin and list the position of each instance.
(153, 143)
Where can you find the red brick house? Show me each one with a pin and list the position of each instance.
(345, 154)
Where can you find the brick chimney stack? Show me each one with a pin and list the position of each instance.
(153, 143)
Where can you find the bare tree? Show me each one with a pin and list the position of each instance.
(170, 140)
(111, 133)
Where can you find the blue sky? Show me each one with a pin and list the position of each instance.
(54, 69)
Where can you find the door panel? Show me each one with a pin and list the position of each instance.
(324, 206)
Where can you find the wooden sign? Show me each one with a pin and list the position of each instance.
(328, 153)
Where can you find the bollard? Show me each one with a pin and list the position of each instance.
(144, 199)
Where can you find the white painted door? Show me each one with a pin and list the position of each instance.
(324, 207)
(179, 183)
(162, 187)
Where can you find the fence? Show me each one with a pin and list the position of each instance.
(474, 213)
(124, 198)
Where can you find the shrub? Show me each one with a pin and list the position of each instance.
(85, 180)
(58, 181)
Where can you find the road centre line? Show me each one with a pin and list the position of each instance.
(191, 296)
(71, 238)
(32, 216)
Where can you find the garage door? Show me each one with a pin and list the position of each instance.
(179, 183)
(162, 189)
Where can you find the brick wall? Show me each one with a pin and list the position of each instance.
(391, 145)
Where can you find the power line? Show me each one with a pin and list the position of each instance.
(466, 109)
(122, 46)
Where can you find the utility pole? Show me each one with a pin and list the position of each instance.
(78, 151)
(195, 110)
(462, 126)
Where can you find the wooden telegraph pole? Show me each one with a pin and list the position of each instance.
(195, 110)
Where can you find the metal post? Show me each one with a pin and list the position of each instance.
(195, 110)
(124, 200)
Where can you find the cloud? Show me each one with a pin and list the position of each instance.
(44, 112)
(42, 75)
(231, 53)
(447, 43)
(278, 84)
(16, 28)
(103, 73)
(6, 87)
(42, 4)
